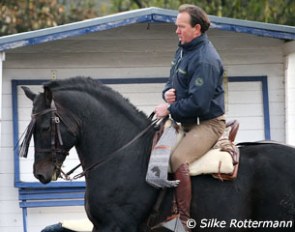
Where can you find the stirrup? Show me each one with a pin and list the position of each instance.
(173, 223)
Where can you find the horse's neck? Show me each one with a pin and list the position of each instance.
(117, 162)
(105, 137)
(104, 128)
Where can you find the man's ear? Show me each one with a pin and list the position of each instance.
(47, 96)
(198, 29)
(31, 95)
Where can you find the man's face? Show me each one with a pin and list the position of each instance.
(186, 33)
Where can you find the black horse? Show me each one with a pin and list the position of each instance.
(113, 141)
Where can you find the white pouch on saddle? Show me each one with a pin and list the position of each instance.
(157, 173)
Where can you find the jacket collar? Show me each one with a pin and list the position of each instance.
(194, 43)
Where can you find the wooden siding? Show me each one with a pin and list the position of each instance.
(134, 52)
(290, 92)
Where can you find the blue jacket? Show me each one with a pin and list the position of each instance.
(197, 76)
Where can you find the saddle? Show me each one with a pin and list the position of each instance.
(226, 144)
(221, 161)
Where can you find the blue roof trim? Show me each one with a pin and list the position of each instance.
(147, 15)
(71, 33)
(163, 18)
(254, 31)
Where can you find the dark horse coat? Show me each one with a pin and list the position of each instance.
(98, 122)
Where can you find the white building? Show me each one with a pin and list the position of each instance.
(132, 51)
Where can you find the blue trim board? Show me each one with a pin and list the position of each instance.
(24, 204)
(52, 193)
(264, 86)
(254, 31)
(16, 83)
(70, 33)
(15, 130)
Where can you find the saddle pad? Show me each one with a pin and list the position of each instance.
(214, 161)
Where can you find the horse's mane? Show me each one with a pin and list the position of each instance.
(97, 89)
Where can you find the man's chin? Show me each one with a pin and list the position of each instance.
(181, 41)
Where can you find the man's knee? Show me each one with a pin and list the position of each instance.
(176, 161)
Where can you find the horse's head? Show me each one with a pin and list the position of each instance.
(52, 138)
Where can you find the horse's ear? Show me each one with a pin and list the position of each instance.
(29, 93)
(47, 96)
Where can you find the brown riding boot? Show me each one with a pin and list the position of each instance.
(183, 193)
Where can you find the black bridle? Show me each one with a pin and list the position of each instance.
(56, 144)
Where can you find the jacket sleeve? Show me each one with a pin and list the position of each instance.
(202, 85)
(169, 84)
(167, 87)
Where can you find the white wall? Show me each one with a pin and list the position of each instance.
(290, 92)
(135, 52)
(247, 55)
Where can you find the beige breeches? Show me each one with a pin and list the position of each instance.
(197, 141)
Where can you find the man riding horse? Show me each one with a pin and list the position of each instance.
(194, 97)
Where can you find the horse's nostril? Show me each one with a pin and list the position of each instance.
(42, 179)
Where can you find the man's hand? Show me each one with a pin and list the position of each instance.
(170, 96)
(162, 110)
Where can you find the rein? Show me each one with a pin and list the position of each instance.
(111, 156)
(56, 136)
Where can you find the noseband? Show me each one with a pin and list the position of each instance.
(56, 139)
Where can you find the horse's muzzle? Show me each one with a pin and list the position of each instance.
(45, 173)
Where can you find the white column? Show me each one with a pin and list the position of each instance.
(289, 50)
(2, 58)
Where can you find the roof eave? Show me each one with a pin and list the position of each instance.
(147, 15)
(252, 27)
